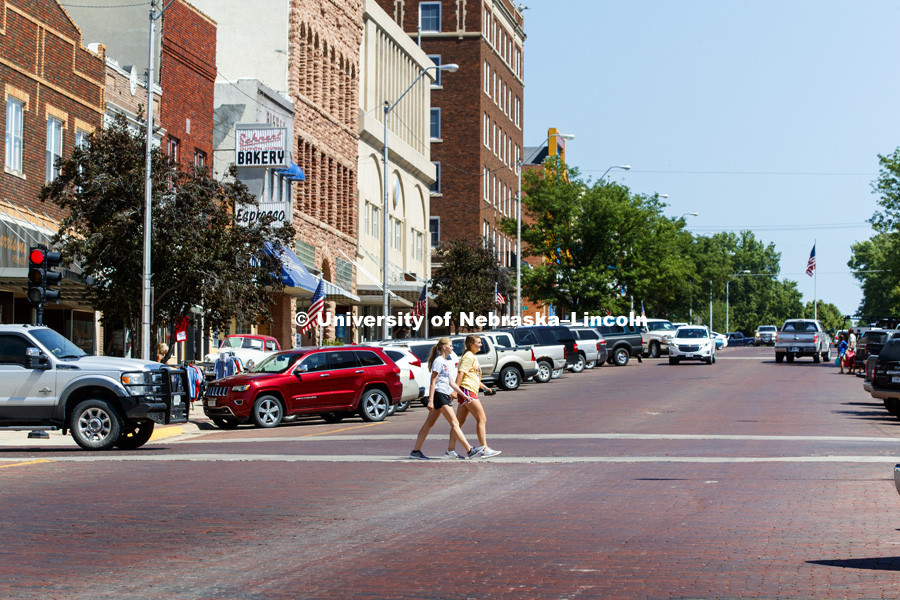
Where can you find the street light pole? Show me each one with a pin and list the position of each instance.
(623, 167)
(565, 136)
(388, 107)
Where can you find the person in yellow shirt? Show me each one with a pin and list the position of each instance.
(468, 378)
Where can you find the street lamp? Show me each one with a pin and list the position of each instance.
(388, 107)
(726, 296)
(623, 167)
(565, 136)
(690, 214)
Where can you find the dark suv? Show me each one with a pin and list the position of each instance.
(622, 342)
(332, 382)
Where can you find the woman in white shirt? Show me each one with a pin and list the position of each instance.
(439, 401)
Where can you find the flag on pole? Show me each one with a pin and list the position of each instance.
(315, 309)
(811, 263)
(421, 304)
(500, 299)
(643, 314)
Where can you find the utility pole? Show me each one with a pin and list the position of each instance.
(148, 193)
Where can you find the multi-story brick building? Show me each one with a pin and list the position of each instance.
(53, 92)
(477, 116)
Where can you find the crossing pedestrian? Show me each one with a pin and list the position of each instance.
(439, 401)
(469, 379)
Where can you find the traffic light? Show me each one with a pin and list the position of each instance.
(41, 275)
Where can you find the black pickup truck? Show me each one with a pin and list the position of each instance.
(883, 376)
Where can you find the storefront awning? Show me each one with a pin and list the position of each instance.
(339, 294)
(18, 232)
(294, 275)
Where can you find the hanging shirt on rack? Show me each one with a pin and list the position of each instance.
(225, 365)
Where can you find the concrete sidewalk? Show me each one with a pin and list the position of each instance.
(197, 423)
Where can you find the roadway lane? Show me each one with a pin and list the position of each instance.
(741, 479)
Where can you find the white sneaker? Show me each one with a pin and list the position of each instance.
(451, 454)
(489, 452)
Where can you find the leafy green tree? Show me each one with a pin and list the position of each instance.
(829, 314)
(464, 281)
(201, 261)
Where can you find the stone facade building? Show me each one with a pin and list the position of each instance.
(53, 95)
(478, 112)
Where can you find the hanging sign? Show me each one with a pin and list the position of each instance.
(260, 146)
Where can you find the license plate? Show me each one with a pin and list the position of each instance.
(689, 356)
(211, 402)
(176, 399)
(895, 379)
(795, 349)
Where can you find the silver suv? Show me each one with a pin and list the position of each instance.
(47, 382)
(658, 337)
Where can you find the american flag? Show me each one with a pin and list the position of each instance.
(421, 304)
(811, 263)
(500, 299)
(315, 309)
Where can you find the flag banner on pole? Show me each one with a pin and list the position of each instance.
(315, 310)
(500, 298)
(419, 309)
(811, 263)
(643, 314)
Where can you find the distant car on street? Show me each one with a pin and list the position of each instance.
(692, 343)
(721, 340)
(765, 335)
(736, 338)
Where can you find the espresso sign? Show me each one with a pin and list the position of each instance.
(261, 147)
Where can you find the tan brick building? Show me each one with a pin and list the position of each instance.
(477, 112)
(53, 94)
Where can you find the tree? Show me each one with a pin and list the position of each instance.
(201, 261)
(464, 281)
(829, 314)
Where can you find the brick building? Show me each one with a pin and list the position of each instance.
(53, 92)
(477, 114)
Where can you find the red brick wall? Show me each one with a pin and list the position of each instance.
(48, 64)
(187, 76)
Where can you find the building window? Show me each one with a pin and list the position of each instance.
(430, 16)
(436, 59)
(436, 186)
(344, 273)
(487, 184)
(420, 243)
(199, 158)
(15, 111)
(306, 253)
(374, 222)
(398, 234)
(487, 130)
(81, 138)
(434, 228)
(172, 149)
(435, 123)
(54, 147)
(366, 217)
(487, 78)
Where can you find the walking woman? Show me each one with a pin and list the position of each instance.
(469, 379)
(439, 401)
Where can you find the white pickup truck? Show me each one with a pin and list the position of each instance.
(502, 362)
(802, 337)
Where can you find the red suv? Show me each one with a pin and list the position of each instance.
(333, 382)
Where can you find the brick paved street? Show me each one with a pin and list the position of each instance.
(745, 479)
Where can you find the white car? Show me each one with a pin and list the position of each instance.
(406, 360)
(693, 342)
(721, 340)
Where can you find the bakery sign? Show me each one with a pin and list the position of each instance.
(257, 146)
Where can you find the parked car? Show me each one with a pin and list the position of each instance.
(657, 337)
(765, 335)
(694, 342)
(871, 342)
(622, 342)
(592, 347)
(736, 338)
(250, 348)
(802, 337)
(502, 362)
(549, 351)
(883, 376)
(406, 360)
(721, 340)
(334, 382)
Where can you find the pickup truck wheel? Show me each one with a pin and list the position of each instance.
(779, 357)
(267, 412)
(373, 406)
(790, 358)
(135, 434)
(826, 356)
(590, 364)
(510, 378)
(545, 372)
(95, 425)
(620, 357)
(654, 350)
(893, 406)
(817, 358)
(579, 365)
(225, 422)
(556, 374)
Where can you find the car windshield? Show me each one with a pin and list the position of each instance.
(767, 329)
(874, 336)
(277, 363)
(800, 326)
(661, 326)
(242, 342)
(693, 333)
(59, 346)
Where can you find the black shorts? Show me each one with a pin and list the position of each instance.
(441, 399)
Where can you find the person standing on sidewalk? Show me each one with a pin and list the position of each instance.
(439, 401)
(469, 379)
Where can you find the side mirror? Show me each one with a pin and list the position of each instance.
(35, 359)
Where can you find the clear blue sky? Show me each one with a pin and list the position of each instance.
(765, 115)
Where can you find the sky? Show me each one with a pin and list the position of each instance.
(764, 115)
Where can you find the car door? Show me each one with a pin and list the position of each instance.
(310, 388)
(25, 394)
(487, 358)
(347, 378)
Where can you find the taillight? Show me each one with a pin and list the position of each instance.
(598, 346)
(575, 347)
(816, 339)
(602, 342)
(411, 376)
(417, 362)
(565, 352)
(533, 357)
